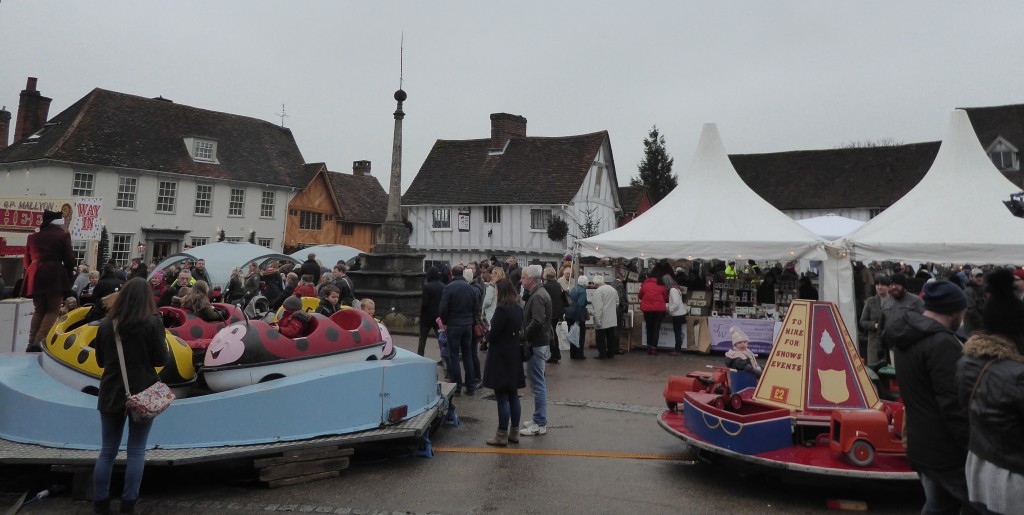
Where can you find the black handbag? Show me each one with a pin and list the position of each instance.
(525, 348)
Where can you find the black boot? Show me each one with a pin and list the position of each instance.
(102, 507)
(127, 506)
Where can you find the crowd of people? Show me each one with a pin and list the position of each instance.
(958, 350)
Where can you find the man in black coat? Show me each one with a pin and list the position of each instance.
(310, 267)
(459, 310)
(558, 297)
(429, 302)
(927, 350)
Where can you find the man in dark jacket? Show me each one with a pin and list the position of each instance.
(200, 273)
(310, 267)
(429, 302)
(459, 309)
(513, 272)
(975, 302)
(557, 310)
(926, 353)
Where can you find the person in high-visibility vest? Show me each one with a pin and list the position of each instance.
(730, 271)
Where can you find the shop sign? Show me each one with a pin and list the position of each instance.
(26, 213)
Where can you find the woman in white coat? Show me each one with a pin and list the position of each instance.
(606, 320)
(677, 310)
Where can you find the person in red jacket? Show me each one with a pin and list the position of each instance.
(48, 266)
(294, 320)
(653, 300)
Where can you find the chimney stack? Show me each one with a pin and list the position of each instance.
(33, 108)
(5, 127)
(504, 127)
(360, 168)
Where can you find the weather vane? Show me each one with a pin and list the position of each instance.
(282, 115)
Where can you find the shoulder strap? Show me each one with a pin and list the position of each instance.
(978, 382)
(120, 358)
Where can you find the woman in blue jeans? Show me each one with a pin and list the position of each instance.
(142, 339)
(503, 368)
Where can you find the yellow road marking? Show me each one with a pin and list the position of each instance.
(563, 452)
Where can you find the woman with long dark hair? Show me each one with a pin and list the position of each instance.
(503, 369)
(144, 347)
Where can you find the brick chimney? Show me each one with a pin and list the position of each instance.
(33, 108)
(5, 127)
(504, 127)
(360, 168)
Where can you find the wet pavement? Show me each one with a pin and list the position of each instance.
(603, 453)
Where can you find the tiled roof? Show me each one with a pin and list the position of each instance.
(630, 197)
(837, 178)
(118, 130)
(361, 198)
(991, 122)
(532, 170)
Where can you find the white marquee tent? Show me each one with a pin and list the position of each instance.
(713, 213)
(831, 226)
(955, 214)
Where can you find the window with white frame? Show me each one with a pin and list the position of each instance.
(267, 204)
(265, 242)
(83, 184)
(127, 187)
(167, 191)
(492, 214)
(79, 248)
(204, 150)
(234, 239)
(310, 221)
(198, 241)
(1005, 160)
(236, 204)
(1003, 155)
(204, 199)
(442, 219)
(539, 219)
(121, 249)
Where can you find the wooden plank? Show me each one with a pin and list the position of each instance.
(302, 468)
(280, 460)
(315, 450)
(301, 479)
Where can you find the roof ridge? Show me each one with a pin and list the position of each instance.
(187, 106)
(74, 123)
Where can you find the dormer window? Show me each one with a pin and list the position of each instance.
(202, 150)
(1003, 155)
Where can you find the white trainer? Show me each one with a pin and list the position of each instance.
(532, 429)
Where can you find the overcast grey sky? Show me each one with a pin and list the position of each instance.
(774, 75)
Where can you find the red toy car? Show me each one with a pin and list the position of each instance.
(860, 434)
(721, 381)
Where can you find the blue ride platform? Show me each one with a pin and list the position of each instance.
(347, 398)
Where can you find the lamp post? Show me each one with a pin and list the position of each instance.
(142, 251)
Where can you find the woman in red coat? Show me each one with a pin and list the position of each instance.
(49, 263)
(653, 300)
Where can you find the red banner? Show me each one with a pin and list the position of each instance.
(22, 219)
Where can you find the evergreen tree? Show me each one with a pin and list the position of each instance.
(655, 170)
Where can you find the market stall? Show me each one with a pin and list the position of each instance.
(714, 214)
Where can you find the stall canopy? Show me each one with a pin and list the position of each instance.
(830, 226)
(224, 256)
(712, 213)
(955, 214)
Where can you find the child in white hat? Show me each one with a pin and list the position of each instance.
(740, 356)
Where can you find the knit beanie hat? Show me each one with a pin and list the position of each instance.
(899, 279)
(944, 297)
(1019, 272)
(292, 303)
(738, 335)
